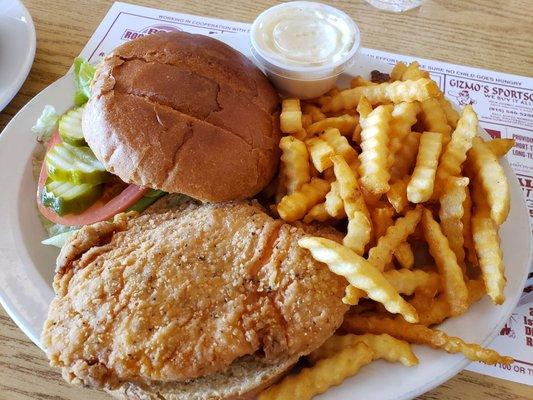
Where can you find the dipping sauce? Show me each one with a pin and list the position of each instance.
(305, 36)
(304, 41)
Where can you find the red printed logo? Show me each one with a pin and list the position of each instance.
(494, 133)
(130, 34)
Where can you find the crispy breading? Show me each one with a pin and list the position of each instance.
(183, 292)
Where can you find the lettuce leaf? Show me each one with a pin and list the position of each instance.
(46, 124)
(60, 239)
(83, 75)
(149, 198)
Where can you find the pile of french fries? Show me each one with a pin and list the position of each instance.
(419, 197)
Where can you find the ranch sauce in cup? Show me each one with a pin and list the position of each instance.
(304, 46)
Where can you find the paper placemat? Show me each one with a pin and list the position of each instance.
(503, 102)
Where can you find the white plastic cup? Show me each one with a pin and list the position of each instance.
(303, 81)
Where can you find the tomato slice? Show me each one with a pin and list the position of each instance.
(99, 211)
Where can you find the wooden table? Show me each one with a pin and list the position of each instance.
(489, 34)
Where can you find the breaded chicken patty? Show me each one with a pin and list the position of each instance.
(182, 292)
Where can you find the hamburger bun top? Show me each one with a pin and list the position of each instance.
(185, 114)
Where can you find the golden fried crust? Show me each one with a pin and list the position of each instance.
(182, 293)
(186, 114)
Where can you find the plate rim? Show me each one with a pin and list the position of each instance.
(456, 366)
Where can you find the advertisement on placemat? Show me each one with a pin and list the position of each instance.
(503, 102)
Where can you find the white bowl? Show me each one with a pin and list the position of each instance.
(17, 48)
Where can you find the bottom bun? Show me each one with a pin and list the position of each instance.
(242, 380)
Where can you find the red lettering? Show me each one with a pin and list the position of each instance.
(526, 183)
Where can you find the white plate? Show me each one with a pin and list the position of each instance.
(17, 48)
(27, 266)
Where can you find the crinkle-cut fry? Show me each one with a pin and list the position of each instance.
(317, 213)
(294, 206)
(321, 100)
(381, 254)
(500, 147)
(405, 157)
(404, 255)
(452, 116)
(301, 134)
(350, 98)
(345, 124)
(320, 153)
(395, 92)
(359, 232)
(413, 72)
(383, 346)
(476, 290)
(352, 112)
(434, 118)
(420, 334)
(334, 204)
(360, 81)
(295, 159)
(364, 108)
(397, 71)
(454, 153)
(359, 224)
(354, 165)
(370, 198)
(420, 187)
(412, 90)
(374, 150)
(493, 179)
(306, 121)
(352, 295)
(451, 273)
(397, 194)
(381, 220)
(406, 281)
(333, 91)
(340, 144)
(325, 373)
(468, 240)
(403, 118)
(313, 111)
(431, 310)
(356, 134)
(359, 273)
(451, 213)
(349, 187)
(489, 252)
(418, 280)
(290, 119)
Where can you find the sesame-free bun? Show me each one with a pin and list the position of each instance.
(244, 379)
(185, 114)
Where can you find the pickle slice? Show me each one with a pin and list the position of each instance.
(66, 198)
(69, 127)
(77, 165)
